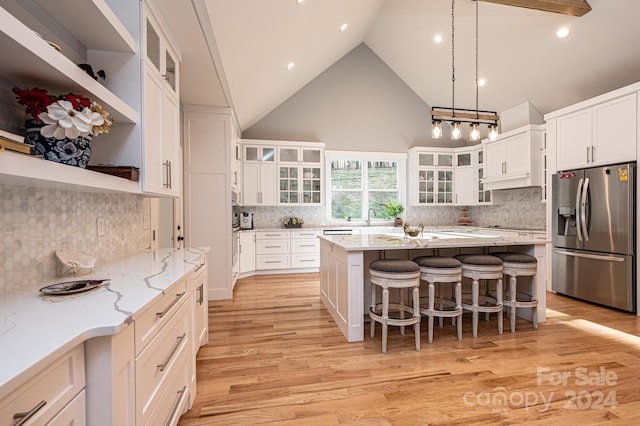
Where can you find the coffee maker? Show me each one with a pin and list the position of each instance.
(246, 220)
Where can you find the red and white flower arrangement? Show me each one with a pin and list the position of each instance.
(64, 116)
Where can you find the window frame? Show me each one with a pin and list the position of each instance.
(400, 158)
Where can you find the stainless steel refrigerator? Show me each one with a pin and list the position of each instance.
(593, 235)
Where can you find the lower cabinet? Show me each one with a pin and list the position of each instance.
(279, 250)
(54, 396)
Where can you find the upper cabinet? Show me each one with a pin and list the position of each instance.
(282, 172)
(605, 133)
(162, 172)
(513, 160)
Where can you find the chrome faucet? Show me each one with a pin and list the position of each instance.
(369, 215)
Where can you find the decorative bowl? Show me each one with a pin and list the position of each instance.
(413, 232)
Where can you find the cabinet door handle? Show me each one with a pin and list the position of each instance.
(169, 174)
(25, 416)
(168, 308)
(588, 149)
(593, 153)
(200, 294)
(172, 353)
(176, 405)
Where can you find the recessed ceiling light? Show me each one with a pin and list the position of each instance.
(482, 82)
(299, 1)
(437, 38)
(563, 32)
(343, 27)
(290, 66)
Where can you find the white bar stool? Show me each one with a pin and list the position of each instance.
(482, 267)
(400, 274)
(438, 270)
(520, 265)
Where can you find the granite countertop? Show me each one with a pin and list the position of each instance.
(395, 229)
(35, 329)
(435, 239)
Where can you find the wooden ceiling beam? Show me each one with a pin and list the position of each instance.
(565, 7)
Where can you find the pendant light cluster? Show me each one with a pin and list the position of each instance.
(457, 116)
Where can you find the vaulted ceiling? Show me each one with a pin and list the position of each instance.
(235, 52)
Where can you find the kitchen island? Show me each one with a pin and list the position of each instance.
(344, 259)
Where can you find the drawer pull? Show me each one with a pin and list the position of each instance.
(200, 294)
(166, 311)
(172, 353)
(273, 235)
(273, 261)
(176, 405)
(273, 246)
(200, 265)
(306, 260)
(23, 417)
(307, 245)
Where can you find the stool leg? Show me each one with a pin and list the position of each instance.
(513, 298)
(385, 318)
(441, 306)
(403, 302)
(431, 309)
(534, 296)
(459, 307)
(416, 314)
(372, 323)
(499, 301)
(475, 289)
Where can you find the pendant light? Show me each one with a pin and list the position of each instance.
(456, 116)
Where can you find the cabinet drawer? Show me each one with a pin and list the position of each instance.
(304, 234)
(305, 260)
(272, 261)
(56, 385)
(271, 235)
(171, 400)
(272, 247)
(148, 324)
(305, 246)
(158, 360)
(75, 413)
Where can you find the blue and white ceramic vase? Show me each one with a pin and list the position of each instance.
(73, 152)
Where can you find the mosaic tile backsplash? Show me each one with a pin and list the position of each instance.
(35, 222)
(515, 208)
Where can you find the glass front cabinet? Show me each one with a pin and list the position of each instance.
(300, 170)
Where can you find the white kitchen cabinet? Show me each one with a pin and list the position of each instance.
(259, 184)
(483, 195)
(53, 396)
(300, 185)
(259, 154)
(247, 251)
(305, 249)
(605, 133)
(208, 158)
(513, 160)
(431, 176)
(161, 174)
(272, 250)
(301, 154)
(464, 186)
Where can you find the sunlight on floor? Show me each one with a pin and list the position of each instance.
(604, 331)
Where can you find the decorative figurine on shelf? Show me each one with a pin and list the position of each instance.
(292, 222)
(89, 70)
(62, 126)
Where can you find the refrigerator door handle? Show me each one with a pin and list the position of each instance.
(578, 211)
(608, 258)
(583, 209)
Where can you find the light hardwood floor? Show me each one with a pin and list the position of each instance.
(276, 356)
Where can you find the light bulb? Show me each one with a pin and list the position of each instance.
(455, 131)
(475, 133)
(436, 129)
(493, 132)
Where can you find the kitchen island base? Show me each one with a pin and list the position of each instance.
(344, 278)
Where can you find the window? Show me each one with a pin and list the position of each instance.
(358, 182)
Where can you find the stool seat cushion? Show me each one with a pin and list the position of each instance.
(437, 262)
(394, 265)
(479, 259)
(515, 257)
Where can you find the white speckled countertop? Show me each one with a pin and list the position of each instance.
(35, 329)
(436, 239)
